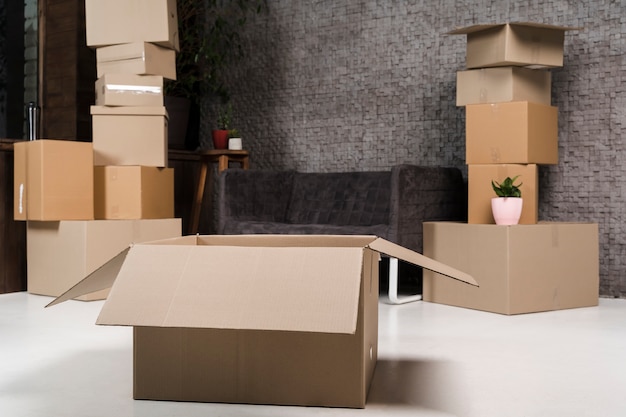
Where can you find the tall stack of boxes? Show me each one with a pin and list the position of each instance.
(136, 43)
(86, 202)
(512, 129)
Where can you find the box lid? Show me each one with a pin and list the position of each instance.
(478, 28)
(255, 282)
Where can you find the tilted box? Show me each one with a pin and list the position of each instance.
(111, 22)
(140, 58)
(533, 45)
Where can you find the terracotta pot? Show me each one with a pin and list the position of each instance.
(220, 139)
(506, 210)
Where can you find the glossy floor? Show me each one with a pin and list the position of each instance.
(434, 360)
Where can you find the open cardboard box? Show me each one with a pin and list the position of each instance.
(526, 44)
(260, 319)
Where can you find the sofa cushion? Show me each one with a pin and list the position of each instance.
(258, 227)
(343, 199)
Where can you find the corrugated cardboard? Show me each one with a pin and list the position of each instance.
(532, 45)
(129, 136)
(521, 269)
(139, 58)
(53, 180)
(133, 192)
(497, 85)
(129, 90)
(518, 132)
(263, 319)
(480, 191)
(110, 22)
(60, 254)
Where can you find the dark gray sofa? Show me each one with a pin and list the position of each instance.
(390, 204)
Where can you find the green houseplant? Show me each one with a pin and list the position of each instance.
(221, 134)
(210, 41)
(507, 206)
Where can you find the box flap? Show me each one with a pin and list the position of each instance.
(129, 111)
(100, 279)
(309, 289)
(400, 252)
(478, 28)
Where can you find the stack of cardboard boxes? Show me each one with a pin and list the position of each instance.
(512, 129)
(86, 202)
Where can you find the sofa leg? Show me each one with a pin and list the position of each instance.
(393, 285)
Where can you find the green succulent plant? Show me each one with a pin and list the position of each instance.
(507, 188)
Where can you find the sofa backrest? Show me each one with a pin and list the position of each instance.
(346, 198)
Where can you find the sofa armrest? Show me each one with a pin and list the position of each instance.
(422, 194)
(256, 195)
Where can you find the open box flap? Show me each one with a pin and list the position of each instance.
(310, 289)
(478, 28)
(100, 279)
(400, 252)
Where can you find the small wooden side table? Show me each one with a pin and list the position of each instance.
(223, 157)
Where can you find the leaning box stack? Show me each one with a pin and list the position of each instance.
(136, 43)
(511, 130)
(86, 202)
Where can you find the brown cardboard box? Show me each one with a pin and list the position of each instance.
(129, 90)
(496, 85)
(129, 136)
(110, 22)
(531, 45)
(133, 192)
(260, 319)
(520, 269)
(53, 180)
(518, 132)
(60, 254)
(480, 191)
(139, 58)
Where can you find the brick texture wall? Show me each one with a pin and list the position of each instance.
(344, 85)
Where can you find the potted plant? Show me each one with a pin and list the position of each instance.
(209, 43)
(234, 140)
(507, 206)
(221, 134)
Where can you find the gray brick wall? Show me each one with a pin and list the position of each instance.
(343, 85)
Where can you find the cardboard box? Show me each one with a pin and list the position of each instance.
(521, 269)
(480, 191)
(497, 85)
(133, 192)
(532, 45)
(53, 180)
(518, 132)
(129, 136)
(110, 22)
(139, 58)
(129, 90)
(260, 319)
(60, 254)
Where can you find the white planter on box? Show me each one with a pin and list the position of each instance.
(506, 210)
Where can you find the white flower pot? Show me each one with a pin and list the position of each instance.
(506, 210)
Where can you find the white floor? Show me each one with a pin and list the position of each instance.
(434, 360)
